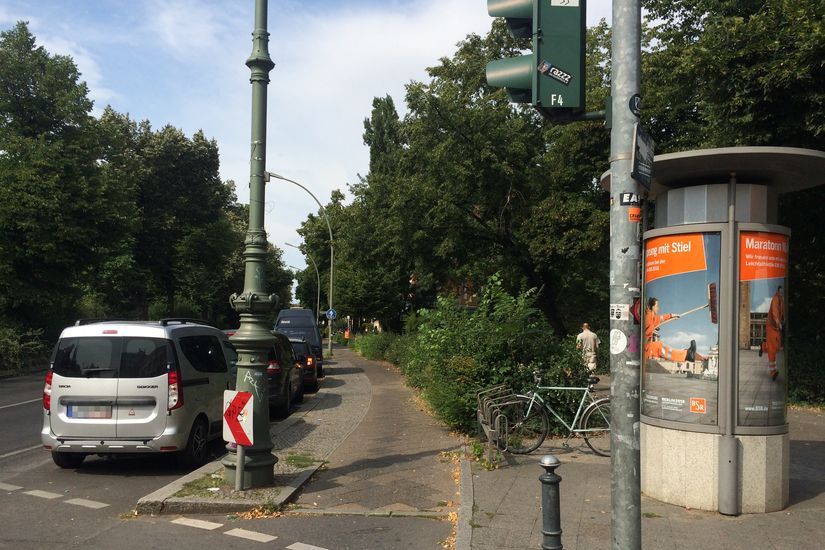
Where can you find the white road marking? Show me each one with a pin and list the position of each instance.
(7, 487)
(302, 546)
(21, 451)
(43, 494)
(200, 524)
(251, 535)
(21, 403)
(87, 503)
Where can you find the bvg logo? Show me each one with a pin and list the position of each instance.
(697, 405)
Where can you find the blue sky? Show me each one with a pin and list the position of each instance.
(181, 62)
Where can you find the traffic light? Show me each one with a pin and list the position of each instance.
(551, 76)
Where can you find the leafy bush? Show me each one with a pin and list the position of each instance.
(806, 385)
(451, 353)
(373, 346)
(398, 348)
(19, 351)
(457, 352)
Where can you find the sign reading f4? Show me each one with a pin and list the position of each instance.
(237, 417)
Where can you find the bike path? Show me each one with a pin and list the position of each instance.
(506, 503)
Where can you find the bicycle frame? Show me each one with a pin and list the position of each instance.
(586, 400)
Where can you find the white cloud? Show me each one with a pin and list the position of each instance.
(188, 27)
(87, 65)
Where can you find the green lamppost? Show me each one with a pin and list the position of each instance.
(253, 340)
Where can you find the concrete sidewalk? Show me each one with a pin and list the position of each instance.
(507, 503)
(374, 451)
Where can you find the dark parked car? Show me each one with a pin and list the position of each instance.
(300, 324)
(307, 360)
(284, 376)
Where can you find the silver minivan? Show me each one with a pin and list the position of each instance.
(134, 387)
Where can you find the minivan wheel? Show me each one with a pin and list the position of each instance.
(68, 460)
(194, 455)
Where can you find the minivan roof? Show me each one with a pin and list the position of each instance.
(156, 329)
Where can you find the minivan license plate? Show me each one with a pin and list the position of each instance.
(89, 411)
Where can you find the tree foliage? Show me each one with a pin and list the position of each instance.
(108, 217)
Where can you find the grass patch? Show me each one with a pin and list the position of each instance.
(201, 486)
(300, 461)
(651, 515)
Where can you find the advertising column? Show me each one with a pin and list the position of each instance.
(681, 332)
(763, 369)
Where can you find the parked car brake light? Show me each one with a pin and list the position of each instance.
(175, 390)
(310, 360)
(47, 391)
(273, 367)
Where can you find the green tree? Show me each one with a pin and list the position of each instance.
(741, 72)
(53, 208)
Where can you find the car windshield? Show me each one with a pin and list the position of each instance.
(112, 357)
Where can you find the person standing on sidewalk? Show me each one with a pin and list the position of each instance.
(588, 342)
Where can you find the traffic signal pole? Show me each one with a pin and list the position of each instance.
(625, 273)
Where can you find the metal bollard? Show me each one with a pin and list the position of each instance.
(550, 504)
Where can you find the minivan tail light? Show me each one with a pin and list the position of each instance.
(47, 391)
(273, 367)
(175, 390)
(310, 360)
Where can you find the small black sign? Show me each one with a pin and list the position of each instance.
(628, 199)
(642, 161)
(635, 105)
(547, 68)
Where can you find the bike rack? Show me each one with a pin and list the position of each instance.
(494, 424)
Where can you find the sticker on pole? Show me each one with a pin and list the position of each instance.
(237, 417)
(331, 314)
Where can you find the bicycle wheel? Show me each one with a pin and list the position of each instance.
(596, 420)
(520, 432)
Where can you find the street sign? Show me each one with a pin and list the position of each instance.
(237, 417)
(331, 314)
(642, 160)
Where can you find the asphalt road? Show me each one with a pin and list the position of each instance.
(20, 414)
(42, 505)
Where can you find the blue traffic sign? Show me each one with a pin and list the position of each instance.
(331, 314)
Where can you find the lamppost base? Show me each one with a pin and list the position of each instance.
(258, 469)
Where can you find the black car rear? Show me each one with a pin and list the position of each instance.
(307, 360)
(310, 335)
(284, 377)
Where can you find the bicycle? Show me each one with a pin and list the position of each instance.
(522, 423)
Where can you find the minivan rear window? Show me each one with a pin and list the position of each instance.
(112, 357)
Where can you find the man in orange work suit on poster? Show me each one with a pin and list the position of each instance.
(773, 331)
(656, 349)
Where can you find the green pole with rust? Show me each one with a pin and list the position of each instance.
(254, 339)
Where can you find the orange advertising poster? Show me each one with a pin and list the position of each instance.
(674, 255)
(762, 256)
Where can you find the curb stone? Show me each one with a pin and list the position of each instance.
(464, 528)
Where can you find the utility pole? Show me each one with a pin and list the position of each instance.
(254, 338)
(625, 270)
